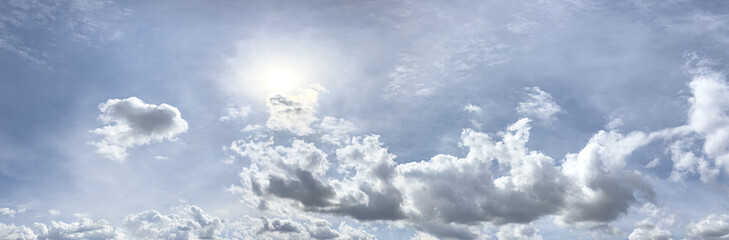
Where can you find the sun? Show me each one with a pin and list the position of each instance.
(280, 78)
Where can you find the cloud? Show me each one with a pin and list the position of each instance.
(654, 225)
(54, 212)
(76, 20)
(707, 115)
(281, 225)
(233, 112)
(518, 232)
(293, 113)
(472, 108)
(194, 223)
(686, 162)
(84, 228)
(499, 182)
(10, 212)
(297, 174)
(539, 104)
(131, 122)
(713, 226)
(336, 130)
(532, 187)
(605, 189)
(16, 232)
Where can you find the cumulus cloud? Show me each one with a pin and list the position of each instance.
(297, 174)
(309, 228)
(10, 212)
(708, 113)
(84, 228)
(194, 223)
(294, 113)
(539, 104)
(187, 222)
(654, 225)
(713, 226)
(606, 189)
(131, 122)
(16, 232)
(518, 232)
(686, 162)
(532, 186)
(498, 181)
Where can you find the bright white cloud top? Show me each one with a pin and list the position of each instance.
(132, 123)
(421, 120)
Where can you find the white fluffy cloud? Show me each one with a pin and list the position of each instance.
(194, 223)
(336, 130)
(518, 232)
(605, 189)
(472, 108)
(713, 226)
(708, 114)
(187, 222)
(10, 212)
(131, 122)
(84, 228)
(16, 232)
(654, 225)
(539, 104)
(293, 113)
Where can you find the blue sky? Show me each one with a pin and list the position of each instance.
(534, 119)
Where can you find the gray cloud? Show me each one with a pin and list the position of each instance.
(499, 182)
(131, 122)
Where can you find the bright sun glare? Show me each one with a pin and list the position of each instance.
(279, 78)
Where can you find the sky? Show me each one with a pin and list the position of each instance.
(535, 119)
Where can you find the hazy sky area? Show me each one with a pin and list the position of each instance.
(535, 119)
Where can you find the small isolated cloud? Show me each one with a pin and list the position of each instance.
(713, 226)
(10, 212)
(54, 212)
(539, 104)
(293, 113)
(233, 112)
(472, 108)
(131, 122)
